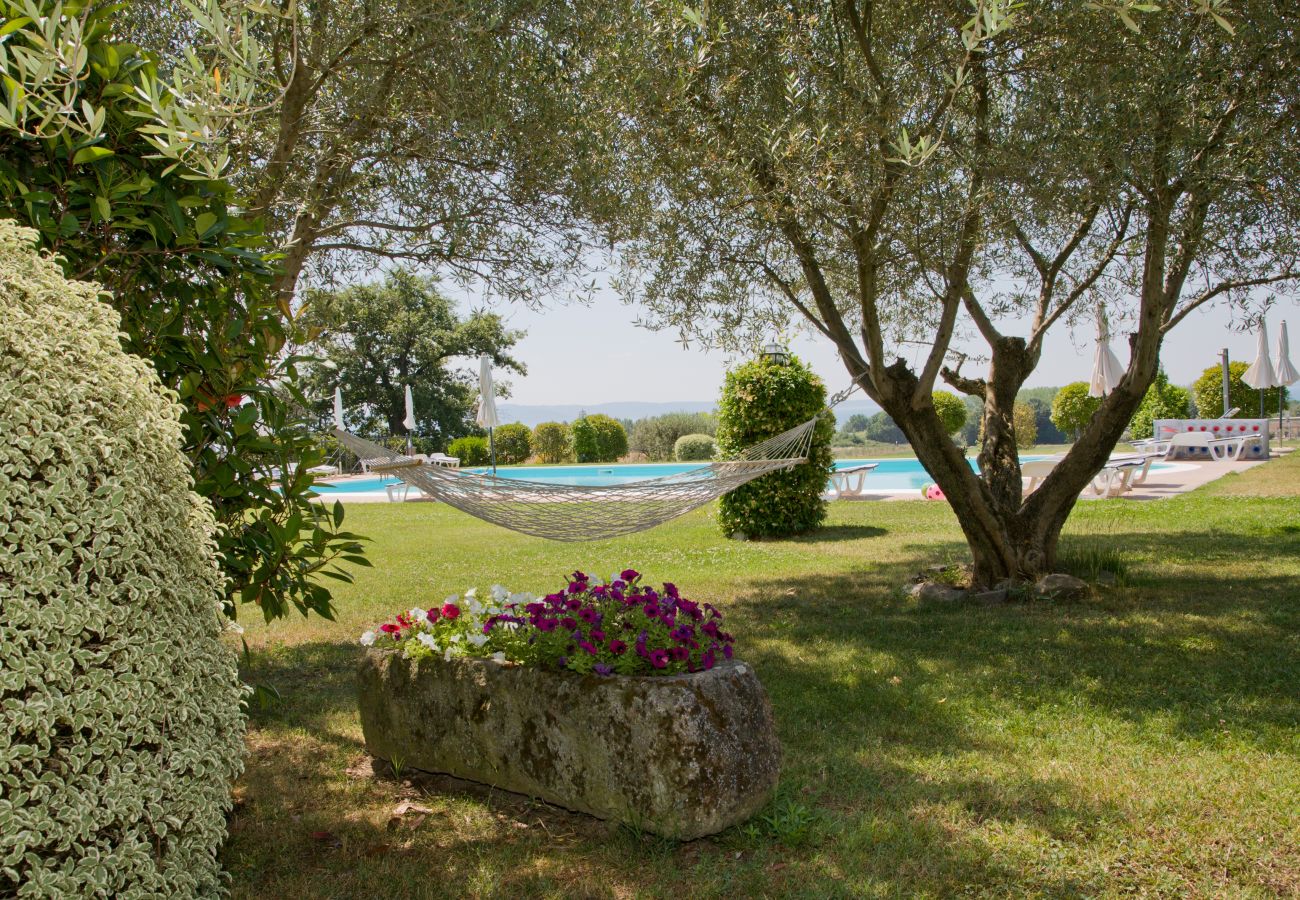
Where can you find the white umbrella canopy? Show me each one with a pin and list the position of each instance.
(1284, 372)
(1260, 375)
(409, 421)
(487, 400)
(1106, 370)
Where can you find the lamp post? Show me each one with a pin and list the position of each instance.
(774, 352)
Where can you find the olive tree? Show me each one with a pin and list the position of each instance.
(890, 172)
(425, 132)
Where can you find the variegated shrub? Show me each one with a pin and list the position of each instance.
(120, 721)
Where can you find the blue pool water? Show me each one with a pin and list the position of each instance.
(890, 475)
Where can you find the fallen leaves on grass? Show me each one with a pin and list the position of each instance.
(408, 815)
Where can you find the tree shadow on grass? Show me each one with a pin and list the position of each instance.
(838, 532)
(305, 822)
(1200, 648)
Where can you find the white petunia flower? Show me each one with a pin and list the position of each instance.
(499, 656)
(427, 639)
(478, 640)
(368, 639)
(454, 598)
(499, 593)
(417, 614)
(471, 592)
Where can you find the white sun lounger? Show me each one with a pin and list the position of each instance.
(847, 484)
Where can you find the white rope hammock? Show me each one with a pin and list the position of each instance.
(561, 512)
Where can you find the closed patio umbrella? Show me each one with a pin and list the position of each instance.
(409, 421)
(1285, 373)
(338, 408)
(1260, 375)
(487, 404)
(1106, 370)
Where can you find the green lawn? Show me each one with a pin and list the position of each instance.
(1144, 741)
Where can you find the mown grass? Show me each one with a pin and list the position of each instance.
(1142, 742)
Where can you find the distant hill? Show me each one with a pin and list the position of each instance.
(533, 415)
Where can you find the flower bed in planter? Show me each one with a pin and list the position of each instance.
(541, 709)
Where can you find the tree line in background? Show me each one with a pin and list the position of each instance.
(1052, 415)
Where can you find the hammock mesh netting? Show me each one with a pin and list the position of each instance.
(585, 513)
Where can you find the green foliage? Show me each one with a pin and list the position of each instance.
(1025, 422)
(514, 443)
(1207, 391)
(471, 451)
(856, 422)
(1162, 401)
(598, 438)
(192, 284)
(1073, 409)
(1048, 433)
(375, 339)
(951, 410)
(881, 428)
(761, 399)
(552, 442)
(656, 436)
(695, 447)
(121, 721)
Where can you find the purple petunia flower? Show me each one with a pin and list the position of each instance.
(617, 647)
(547, 624)
(726, 651)
(679, 653)
(710, 628)
(707, 659)
(568, 623)
(658, 658)
(670, 589)
(597, 634)
(585, 645)
(563, 661)
(602, 669)
(629, 575)
(589, 615)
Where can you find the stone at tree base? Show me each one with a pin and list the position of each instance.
(682, 755)
(936, 592)
(1060, 586)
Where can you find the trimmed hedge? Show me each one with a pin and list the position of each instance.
(695, 448)
(552, 443)
(598, 438)
(471, 451)
(514, 443)
(761, 399)
(120, 726)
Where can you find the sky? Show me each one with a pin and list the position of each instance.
(611, 364)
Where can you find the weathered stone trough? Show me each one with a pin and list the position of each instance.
(682, 755)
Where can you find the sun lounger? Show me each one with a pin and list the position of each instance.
(1218, 448)
(847, 484)
(1036, 471)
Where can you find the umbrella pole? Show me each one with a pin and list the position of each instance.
(492, 449)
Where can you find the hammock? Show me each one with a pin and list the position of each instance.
(561, 512)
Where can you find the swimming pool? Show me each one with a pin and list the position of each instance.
(891, 475)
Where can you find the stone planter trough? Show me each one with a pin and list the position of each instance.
(683, 755)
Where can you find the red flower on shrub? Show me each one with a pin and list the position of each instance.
(450, 610)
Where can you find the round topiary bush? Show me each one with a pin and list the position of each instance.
(760, 399)
(694, 447)
(120, 721)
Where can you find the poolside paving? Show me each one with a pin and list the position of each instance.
(1181, 477)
